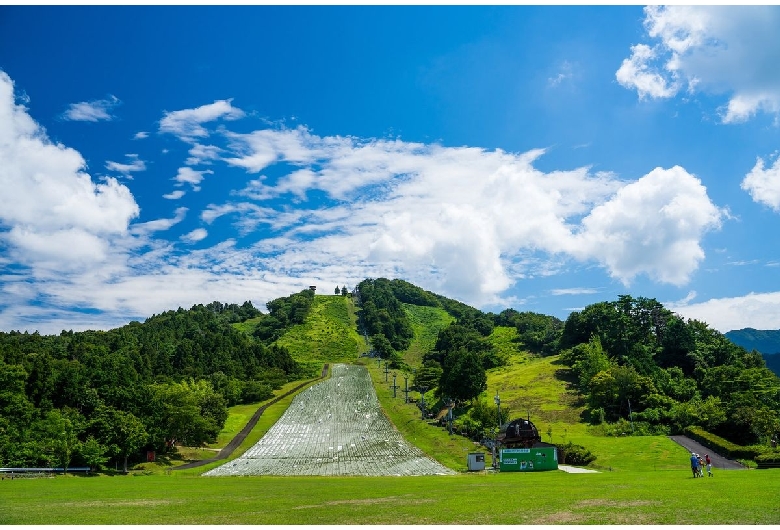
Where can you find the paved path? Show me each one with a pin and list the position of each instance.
(572, 469)
(718, 462)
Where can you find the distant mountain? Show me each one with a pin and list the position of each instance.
(765, 341)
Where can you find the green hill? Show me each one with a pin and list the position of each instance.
(765, 341)
(426, 323)
(327, 335)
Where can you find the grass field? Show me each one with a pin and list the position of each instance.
(554, 497)
(329, 333)
(426, 324)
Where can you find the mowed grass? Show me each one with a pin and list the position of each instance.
(329, 333)
(426, 324)
(449, 450)
(554, 497)
(540, 388)
(504, 341)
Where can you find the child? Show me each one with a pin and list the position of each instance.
(709, 465)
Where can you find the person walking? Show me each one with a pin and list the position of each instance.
(701, 466)
(709, 465)
(694, 465)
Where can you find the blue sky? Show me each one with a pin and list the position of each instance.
(541, 158)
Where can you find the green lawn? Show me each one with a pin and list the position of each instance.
(329, 333)
(426, 324)
(554, 497)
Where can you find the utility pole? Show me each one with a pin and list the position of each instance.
(497, 401)
(394, 385)
(450, 405)
(386, 371)
(406, 388)
(422, 400)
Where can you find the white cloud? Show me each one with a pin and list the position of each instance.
(175, 194)
(98, 110)
(573, 291)
(136, 164)
(262, 148)
(187, 175)
(652, 226)
(141, 135)
(470, 221)
(196, 235)
(713, 49)
(754, 310)
(203, 154)
(159, 224)
(45, 190)
(764, 184)
(187, 124)
(636, 72)
(464, 221)
(566, 71)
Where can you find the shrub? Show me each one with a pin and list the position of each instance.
(767, 460)
(575, 455)
(723, 446)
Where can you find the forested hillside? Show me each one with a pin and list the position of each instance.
(636, 360)
(641, 368)
(84, 398)
(90, 397)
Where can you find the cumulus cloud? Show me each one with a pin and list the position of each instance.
(652, 226)
(47, 197)
(56, 224)
(98, 110)
(140, 135)
(637, 73)
(764, 184)
(187, 124)
(713, 49)
(135, 164)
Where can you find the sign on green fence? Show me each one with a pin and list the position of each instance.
(533, 459)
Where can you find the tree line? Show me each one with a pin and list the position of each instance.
(88, 398)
